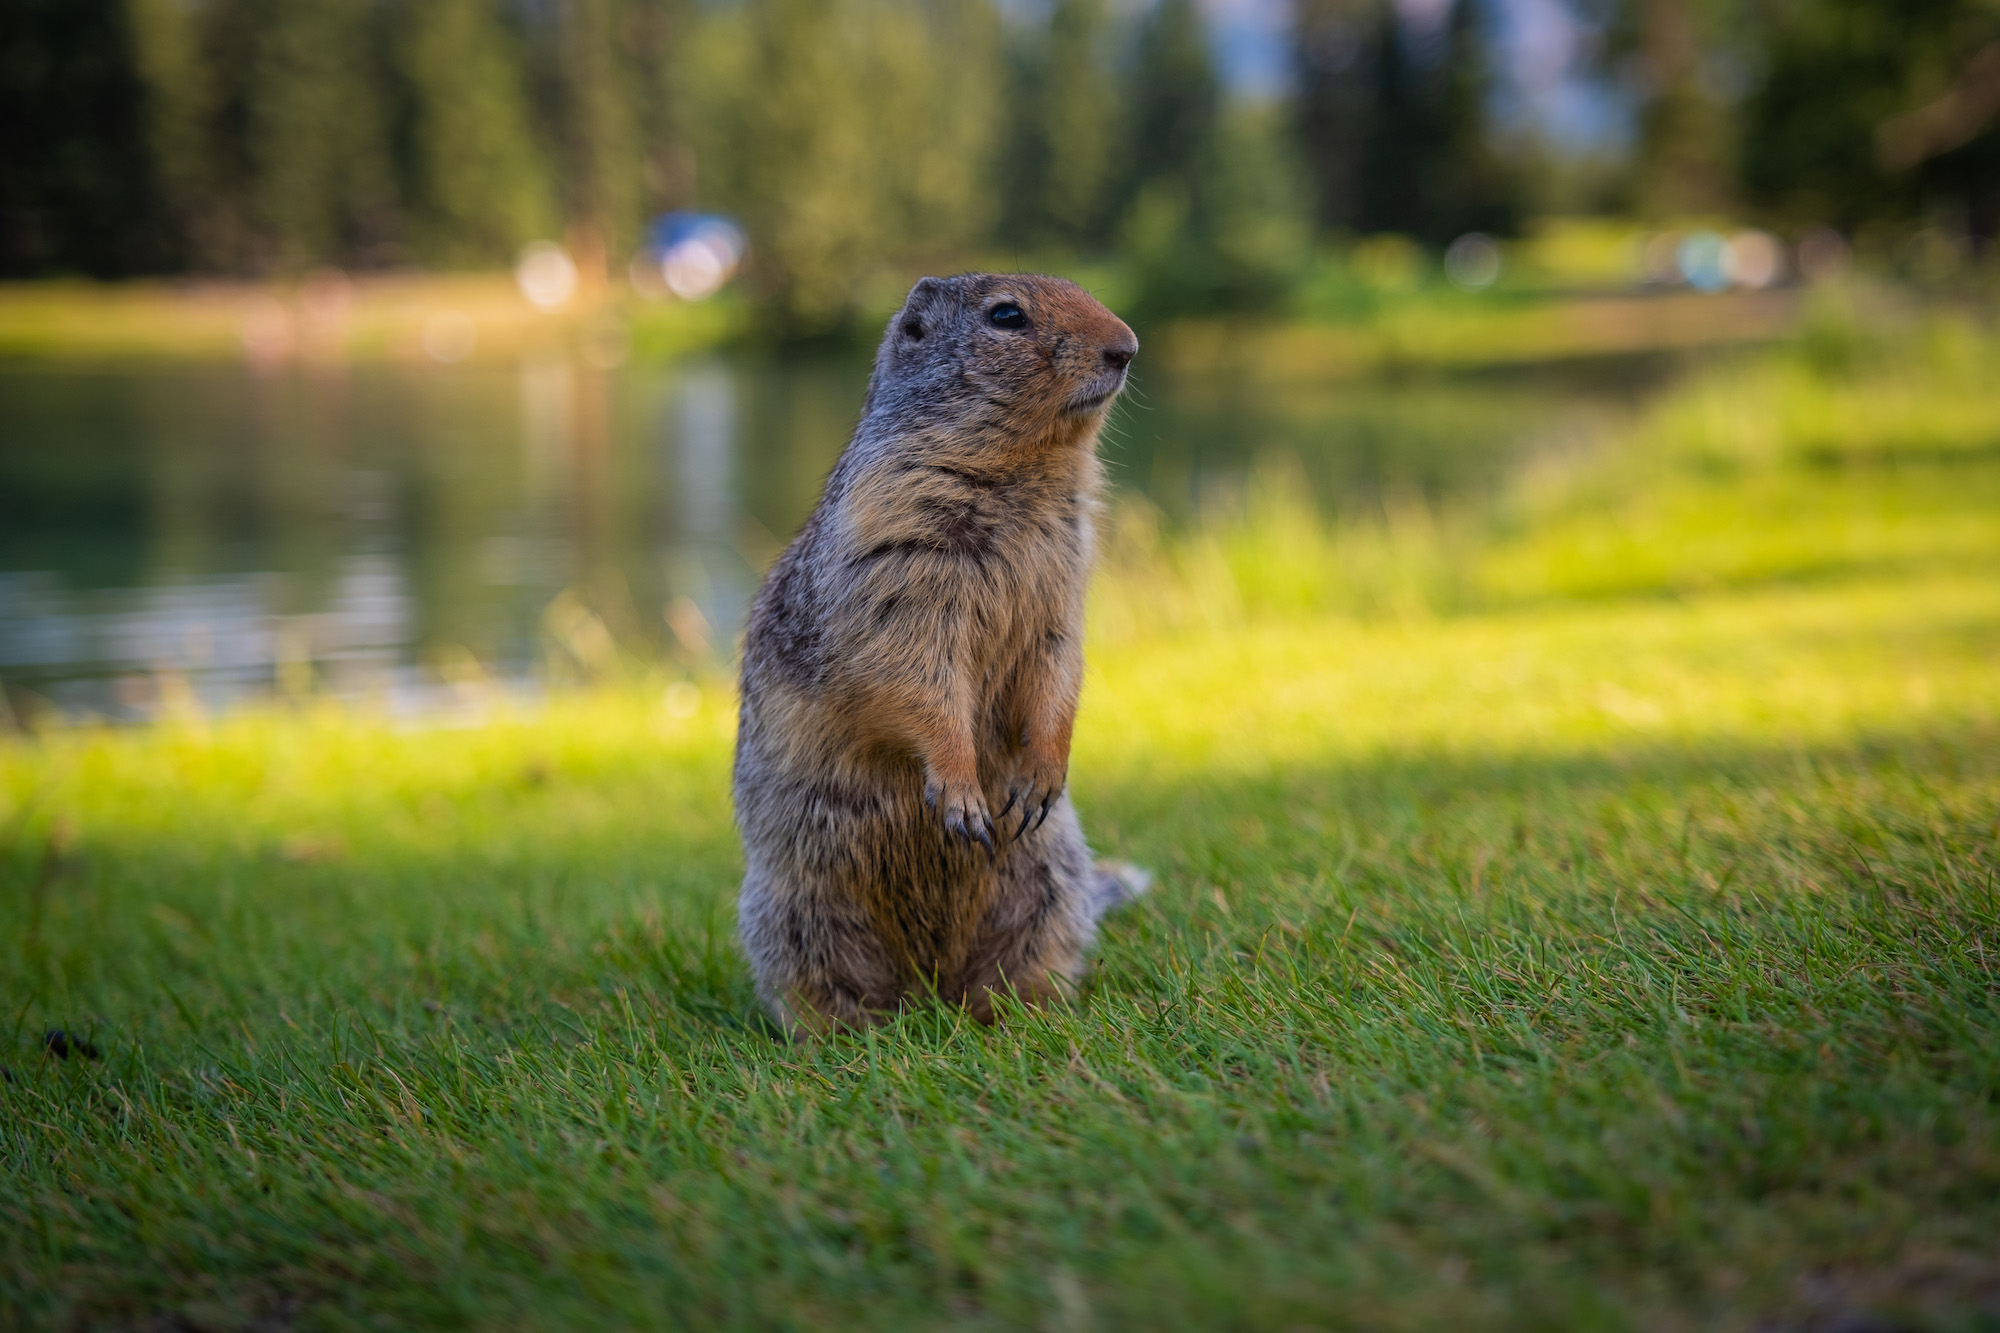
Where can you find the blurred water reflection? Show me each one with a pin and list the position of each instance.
(216, 533)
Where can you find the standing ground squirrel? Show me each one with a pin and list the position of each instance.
(911, 672)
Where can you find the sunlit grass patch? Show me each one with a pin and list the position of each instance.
(329, 318)
(1760, 669)
(1780, 469)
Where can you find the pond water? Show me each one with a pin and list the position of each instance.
(389, 531)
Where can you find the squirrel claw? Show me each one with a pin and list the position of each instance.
(1012, 797)
(973, 825)
(1048, 802)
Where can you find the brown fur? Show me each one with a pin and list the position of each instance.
(911, 671)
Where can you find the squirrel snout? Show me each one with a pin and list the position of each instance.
(1119, 355)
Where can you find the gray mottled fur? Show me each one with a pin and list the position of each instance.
(911, 670)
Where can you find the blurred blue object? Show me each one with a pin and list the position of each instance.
(696, 253)
(671, 229)
(1703, 258)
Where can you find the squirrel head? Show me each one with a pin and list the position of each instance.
(1004, 354)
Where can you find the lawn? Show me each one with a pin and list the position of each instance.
(1582, 914)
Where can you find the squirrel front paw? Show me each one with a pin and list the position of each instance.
(963, 807)
(1035, 788)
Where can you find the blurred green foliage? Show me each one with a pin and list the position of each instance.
(844, 132)
(1065, 145)
(1866, 110)
(1211, 216)
(1395, 119)
(478, 186)
(859, 140)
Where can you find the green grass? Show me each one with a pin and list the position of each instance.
(374, 318)
(1550, 932)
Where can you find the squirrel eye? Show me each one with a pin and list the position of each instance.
(1007, 315)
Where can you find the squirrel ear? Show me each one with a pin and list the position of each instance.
(923, 297)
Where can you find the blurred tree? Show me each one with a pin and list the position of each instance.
(1684, 65)
(320, 181)
(1214, 217)
(600, 151)
(1230, 234)
(848, 135)
(656, 34)
(77, 188)
(1872, 109)
(1395, 122)
(173, 67)
(1335, 49)
(781, 142)
(477, 176)
(1174, 100)
(1063, 131)
(1407, 126)
(1462, 182)
(935, 115)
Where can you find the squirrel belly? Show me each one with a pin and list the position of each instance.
(911, 673)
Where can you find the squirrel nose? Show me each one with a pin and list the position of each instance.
(1119, 354)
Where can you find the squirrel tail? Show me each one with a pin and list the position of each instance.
(1115, 883)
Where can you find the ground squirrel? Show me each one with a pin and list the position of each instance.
(911, 671)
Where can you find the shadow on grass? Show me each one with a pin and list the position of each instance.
(1515, 1040)
(168, 935)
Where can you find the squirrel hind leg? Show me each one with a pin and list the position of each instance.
(1034, 948)
(1031, 940)
(818, 963)
(1115, 883)
(808, 1014)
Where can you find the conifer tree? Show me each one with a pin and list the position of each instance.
(1394, 119)
(849, 135)
(77, 190)
(1684, 159)
(1063, 132)
(656, 34)
(321, 183)
(1401, 138)
(180, 93)
(1465, 184)
(600, 152)
(1215, 219)
(1081, 120)
(478, 178)
(1174, 100)
(937, 130)
(1871, 109)
(1334, 47)
(781, 143)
